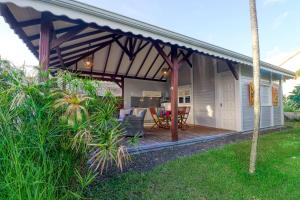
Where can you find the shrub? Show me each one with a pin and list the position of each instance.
(55, 136)
(292, 102)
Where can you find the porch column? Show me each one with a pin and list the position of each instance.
(174, 93)
(174, 65)
(122, 83)
(45, 39)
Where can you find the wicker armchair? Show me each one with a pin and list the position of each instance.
(134, 124)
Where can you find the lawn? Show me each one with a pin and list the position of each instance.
(218, 174)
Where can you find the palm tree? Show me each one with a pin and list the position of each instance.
(256, 83)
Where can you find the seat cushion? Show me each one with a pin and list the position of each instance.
(141, 113)
(124, 113)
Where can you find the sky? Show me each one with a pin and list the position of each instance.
(222, 23)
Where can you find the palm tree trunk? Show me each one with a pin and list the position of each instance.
(256, 83)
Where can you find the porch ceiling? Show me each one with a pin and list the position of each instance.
(115, 53)
(122, 46)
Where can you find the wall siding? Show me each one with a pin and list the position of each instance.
(266, 111)
(277, 110)
(135, 88)
(204, 91)
(247, 111)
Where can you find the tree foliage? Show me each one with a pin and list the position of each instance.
(292, 102)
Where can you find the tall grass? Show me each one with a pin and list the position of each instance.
(45, 147)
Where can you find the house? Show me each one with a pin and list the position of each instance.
(148, 61)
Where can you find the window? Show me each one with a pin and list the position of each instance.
(181, 100)
(265, 95)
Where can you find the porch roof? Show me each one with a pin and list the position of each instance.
(124, 46)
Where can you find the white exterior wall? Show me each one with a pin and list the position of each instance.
(204, 91)
(135, 88)
(270, 115)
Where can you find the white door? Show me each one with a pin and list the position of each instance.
(226, 88)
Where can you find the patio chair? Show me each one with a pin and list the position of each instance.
(134, 124)
(159, 121)
(184, 117)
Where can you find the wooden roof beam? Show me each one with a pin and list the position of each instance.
(144, 60)
(163, 54)
(233, 71)
(67, 36)
(107, 57)
(151, 66)
(78, 50)
(113, 75)
(131, 63)
(161, 66)
(121, 58)
(86, 42)
(81, 56)
(186, 59)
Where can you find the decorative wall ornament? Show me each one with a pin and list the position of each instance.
(275, 97)
(251, 93)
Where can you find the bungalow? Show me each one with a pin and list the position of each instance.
(147, 61)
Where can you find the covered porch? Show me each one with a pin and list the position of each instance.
(156, 138)
(139, 59)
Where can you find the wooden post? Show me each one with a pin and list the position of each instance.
(174, 65)
(174, 93)
(122, 84)
(45, 39)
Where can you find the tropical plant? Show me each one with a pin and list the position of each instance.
(294, 98)
(256, 82)
(52, 133)
(291, 103)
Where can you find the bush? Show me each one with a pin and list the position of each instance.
(55, 136)
(292, 102)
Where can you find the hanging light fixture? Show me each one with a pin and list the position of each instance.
(165, 72)
(88, 61)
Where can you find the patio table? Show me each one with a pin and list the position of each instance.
(168, 114)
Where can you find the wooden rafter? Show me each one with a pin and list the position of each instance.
(67, 36)
(57, 31)
(99, 39)
(81, 56)
(83, 35)
(130, 47)
(162, 53)
(152, 64)
(121, 58)
(31, 22)
(124, 48)
(140, 48)
(81, 50)
(187, 59)
(107, 57)
(112, 75)
(144, 60)
(132, 61)
(164, 61)
(232, 69)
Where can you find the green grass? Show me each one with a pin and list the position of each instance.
(218, 174)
